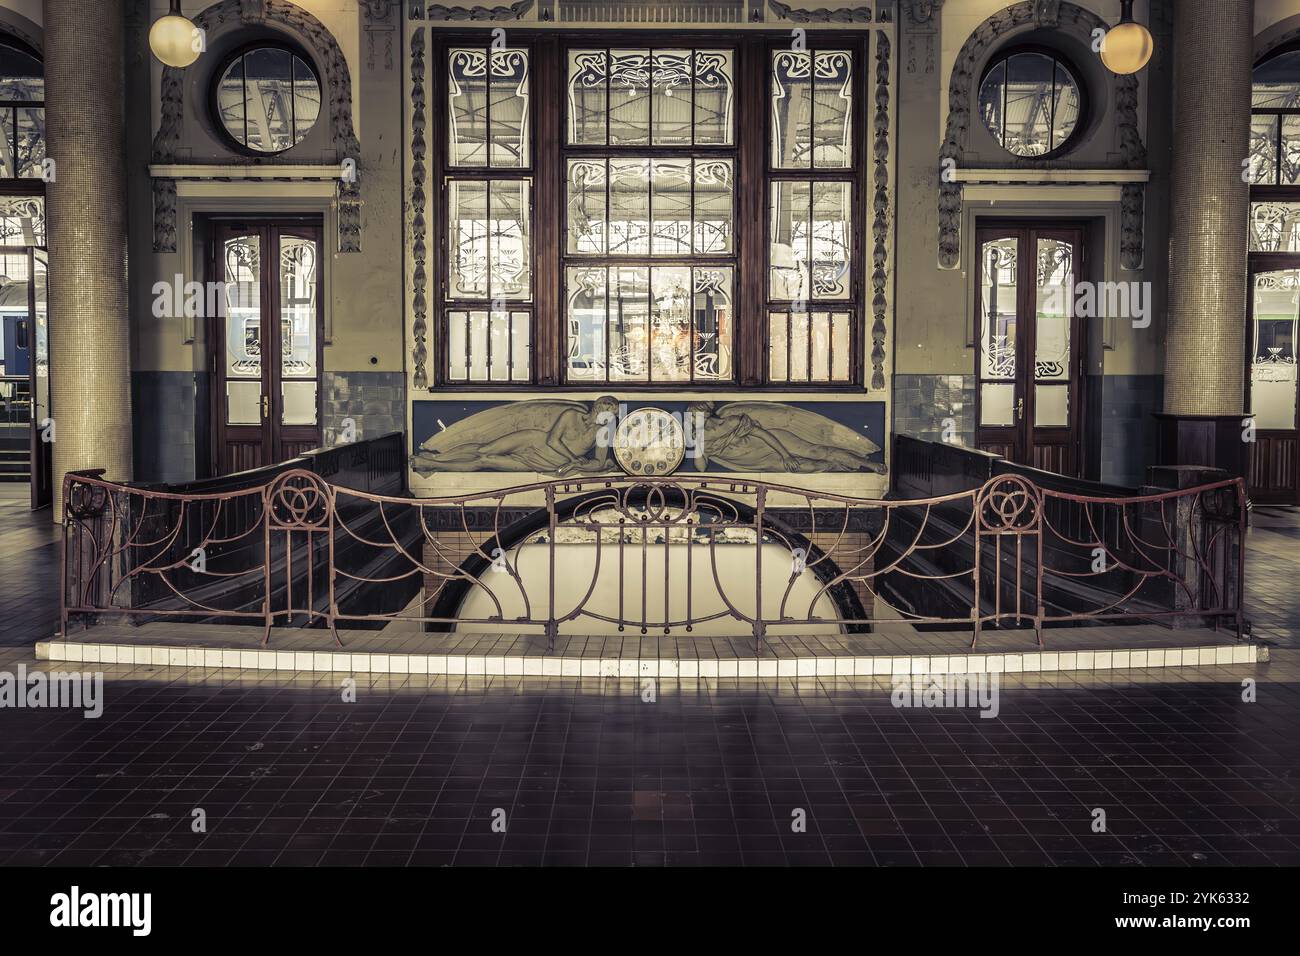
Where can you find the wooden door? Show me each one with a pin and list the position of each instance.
(1028, 362)
(266, 343)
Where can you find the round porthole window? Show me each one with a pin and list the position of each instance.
(1031, 103)
(267, 98)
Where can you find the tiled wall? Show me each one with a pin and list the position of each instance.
(922, 402)
(163, 407)
(375, 401)
(1128, 436)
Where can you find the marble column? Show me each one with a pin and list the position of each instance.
(90, 335)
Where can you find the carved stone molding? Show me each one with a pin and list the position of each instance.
(336, 77)
(861, 14)
(419, 225)
(380, 31)
(1072, 19)
(922, 12)
(880, 207)
(922, 34)
(437, 11)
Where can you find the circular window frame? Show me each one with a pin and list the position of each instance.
(214, 84)
(1060, 59)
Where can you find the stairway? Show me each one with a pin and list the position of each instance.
(15, 454)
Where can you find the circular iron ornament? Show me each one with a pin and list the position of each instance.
(86, 501)
(1008, 503)
(298, 500)
(649, 442)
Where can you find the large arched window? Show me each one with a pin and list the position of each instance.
(1275, 121)
(22, 111)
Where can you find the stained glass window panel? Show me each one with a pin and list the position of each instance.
(509, 89)
(714, 98)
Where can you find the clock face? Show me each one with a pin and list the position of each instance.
(649, 441)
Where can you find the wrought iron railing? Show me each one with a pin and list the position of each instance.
(665, 555)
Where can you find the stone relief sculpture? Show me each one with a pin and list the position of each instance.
(770, 436)
(562, 437)
(549, 436)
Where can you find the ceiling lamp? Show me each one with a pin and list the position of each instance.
(174, 38)
(1127, 46)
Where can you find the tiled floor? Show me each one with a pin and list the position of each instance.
(286, 769)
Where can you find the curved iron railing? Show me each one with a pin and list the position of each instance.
(299, 550)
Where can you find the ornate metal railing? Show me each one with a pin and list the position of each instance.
(666, 555)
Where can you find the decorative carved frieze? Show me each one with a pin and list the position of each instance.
(437, 11)
(419, 225)
(880, 206)
(861, 14)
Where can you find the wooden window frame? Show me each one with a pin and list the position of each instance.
(549, 152)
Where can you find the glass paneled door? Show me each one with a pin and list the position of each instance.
(1271, 377)
(266, 343)
(1028, 398)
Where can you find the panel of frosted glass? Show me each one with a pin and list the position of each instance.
(499, 346)
(715, 98)
(31, 141)
(298, 401)
(713, 206)
(1263, 150)
(713, 323)
(467, 247)
(1273, 348)
(670, 207)
(1290, 150)
(298, 287)
(840, 346)
(799, 347)
(629, 98)
(1276, 83)
(585, 189)
(585, 332)
(1275, 227)
(991, 99)
(998, 308)
(268, 103)
(1052, 333)
(467, 93)
(1051, 406)
(478, 337)
(509, 252)
(670, 107)
(821, 347)
(778, 346)
(791, 112)
(521, 346)
(832, 240)
(588, 75)
(242, 273)
(789, 240)
(671, 330)
(629, 207)
(997, 403)
(1029, 104)
(509, 89)
(458, 346)
(1066, 114)
(306, 98)
(832, 129)
(243, 402)
(629, 323)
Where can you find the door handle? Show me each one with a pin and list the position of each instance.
(266, 407)
(1020, 409)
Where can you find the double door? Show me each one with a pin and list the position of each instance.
(1028, 358)
(266, 342)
